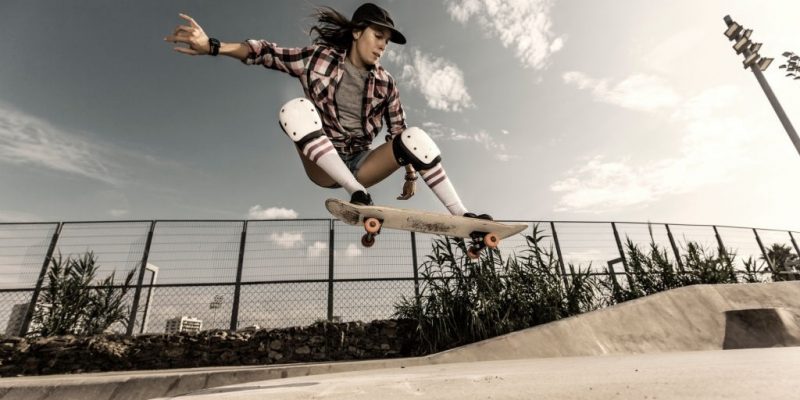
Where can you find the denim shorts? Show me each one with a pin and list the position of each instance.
(354, 161)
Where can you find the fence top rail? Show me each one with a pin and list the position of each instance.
(28, 223)
(331, 219)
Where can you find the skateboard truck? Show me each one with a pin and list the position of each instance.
(481, 240)
(373, 228)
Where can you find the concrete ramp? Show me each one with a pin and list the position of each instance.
(700, 317)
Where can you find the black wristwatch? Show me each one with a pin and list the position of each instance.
(214, 43)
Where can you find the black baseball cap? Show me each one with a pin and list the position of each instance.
(369, 13)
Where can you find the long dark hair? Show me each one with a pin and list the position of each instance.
(333, 29)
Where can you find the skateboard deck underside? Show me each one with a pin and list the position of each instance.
(420, 221)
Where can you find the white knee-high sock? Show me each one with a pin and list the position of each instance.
(437, 180)
(321, 152)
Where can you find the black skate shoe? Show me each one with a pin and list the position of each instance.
(481, 216)
(361, 198)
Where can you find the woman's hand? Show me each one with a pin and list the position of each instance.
(409, 188)
(191, 34)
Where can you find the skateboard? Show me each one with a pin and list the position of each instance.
(482, 233)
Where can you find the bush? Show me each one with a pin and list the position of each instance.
(463, 301)
(69, 305)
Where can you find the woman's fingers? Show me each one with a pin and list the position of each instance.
(183, 28)
(190, 19)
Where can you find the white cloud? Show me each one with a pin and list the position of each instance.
(713, 148)
(258, 212)
(352, 250)
(27, 140)
(118, 212)
(637, 92)
(287, 239)
(524, 25)
(482, 137)
(317, 249)
(441, 82)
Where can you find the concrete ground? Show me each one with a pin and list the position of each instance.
(703, 341)
(722, 374)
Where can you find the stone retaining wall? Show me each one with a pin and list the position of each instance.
(323, 341)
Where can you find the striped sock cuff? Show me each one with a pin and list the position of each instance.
(434, 176)
(318, 148)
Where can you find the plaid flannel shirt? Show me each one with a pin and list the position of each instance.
(319, 70)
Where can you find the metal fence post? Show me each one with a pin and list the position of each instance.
(619, 246)
(796, 249)
(719, 241)
(238, 290)
(415, 265)
(140, 280)
(763, 250)
(40, 281)
(675, 248)
(330, 272)
(558, 251)
(622, 254)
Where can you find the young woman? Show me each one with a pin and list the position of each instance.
(348, 96)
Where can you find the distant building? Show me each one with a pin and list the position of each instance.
(183, 324)
(16, 318)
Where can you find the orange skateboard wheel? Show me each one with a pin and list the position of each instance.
(372, 225)
(473, 252)
(491, 240)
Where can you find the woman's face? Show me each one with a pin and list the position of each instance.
(369, 45)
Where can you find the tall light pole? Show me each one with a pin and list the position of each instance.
(736, 33)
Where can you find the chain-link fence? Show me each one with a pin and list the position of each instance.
(278, 273)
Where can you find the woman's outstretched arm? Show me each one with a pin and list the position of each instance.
(194, 36)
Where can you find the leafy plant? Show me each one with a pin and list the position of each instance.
(704, 267)
(778, 259)
(752, 271)
(69, 304)
(463, 301)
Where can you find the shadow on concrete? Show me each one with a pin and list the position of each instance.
(760, 328)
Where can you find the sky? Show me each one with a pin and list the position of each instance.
(565, 111)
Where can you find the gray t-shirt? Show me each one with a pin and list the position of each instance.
(350, 99)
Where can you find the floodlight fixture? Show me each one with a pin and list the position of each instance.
(749, 60)
(733, 31)
(740, 45)
(764, 63)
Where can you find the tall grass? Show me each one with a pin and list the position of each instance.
(463, 301)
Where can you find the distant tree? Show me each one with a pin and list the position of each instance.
(778, 258)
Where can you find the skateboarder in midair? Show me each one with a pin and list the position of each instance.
(348, 96)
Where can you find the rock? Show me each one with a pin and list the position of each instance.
(317, 339)
(276, 345)
(228, 357)
(274, 355)
(303, 350)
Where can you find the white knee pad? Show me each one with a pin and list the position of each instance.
(415, 147)
(300, 121)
